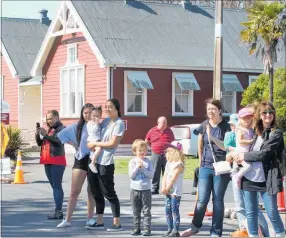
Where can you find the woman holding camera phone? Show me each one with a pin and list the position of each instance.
(53, 158)
(214, 127)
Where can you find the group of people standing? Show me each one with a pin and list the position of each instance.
(250, 141)
(100, 184)
(255, 145)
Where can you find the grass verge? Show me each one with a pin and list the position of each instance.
(121, 166)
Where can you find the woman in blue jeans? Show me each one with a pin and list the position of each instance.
(265, 176)
(53, 158)
(208, 181)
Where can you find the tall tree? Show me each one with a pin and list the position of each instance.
(264, 33)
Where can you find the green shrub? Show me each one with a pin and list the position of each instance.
(15, 144)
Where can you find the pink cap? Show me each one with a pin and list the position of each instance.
(245, 112)
(175, 145)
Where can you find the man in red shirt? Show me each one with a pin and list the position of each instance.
(158, 138)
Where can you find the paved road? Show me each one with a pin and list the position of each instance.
(25, 208)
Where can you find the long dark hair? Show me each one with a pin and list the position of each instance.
(116, 104)
(259, 123)
(81, 121)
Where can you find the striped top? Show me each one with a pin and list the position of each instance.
(160, 139)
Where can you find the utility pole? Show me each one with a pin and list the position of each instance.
(217, 80)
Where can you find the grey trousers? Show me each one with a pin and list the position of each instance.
(141, 201)
(159, 164)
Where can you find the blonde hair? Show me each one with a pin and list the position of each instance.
(175, 155)
(138, 144)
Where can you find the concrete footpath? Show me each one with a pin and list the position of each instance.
(25, 208)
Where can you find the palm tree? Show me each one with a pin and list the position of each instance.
(264, 33)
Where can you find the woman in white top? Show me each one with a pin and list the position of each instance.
(102, 183)
(172, 186)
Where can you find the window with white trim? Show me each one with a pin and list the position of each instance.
(72, 54)
(252, 78)
(135, 99)
(2, 87)
(72, 91)
(229, 101)
(182, 100)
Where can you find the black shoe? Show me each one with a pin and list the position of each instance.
(58, 214)
(155, 192)
(168, 233)
(146, 233)
(136, 232)
(114, 228)
(174, 234)
(95, 226)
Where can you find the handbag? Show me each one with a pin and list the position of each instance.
(220, 167)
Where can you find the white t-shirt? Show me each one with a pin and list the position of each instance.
(177, 188)
(108, 130)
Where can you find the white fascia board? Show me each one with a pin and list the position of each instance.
(8, 60)
(87, 34)
(176, 67)
(46, 45)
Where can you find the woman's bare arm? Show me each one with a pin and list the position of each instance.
(107, 144)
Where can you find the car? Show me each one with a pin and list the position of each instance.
(188, 137)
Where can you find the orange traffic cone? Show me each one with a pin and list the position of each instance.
(208, 214)
(281, 201)
(19, 174)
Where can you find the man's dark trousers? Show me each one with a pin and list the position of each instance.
(159, 164)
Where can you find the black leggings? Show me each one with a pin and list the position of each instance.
(102, 185)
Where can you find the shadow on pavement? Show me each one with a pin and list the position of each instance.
(28, 218)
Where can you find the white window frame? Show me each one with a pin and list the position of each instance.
(72, 46)
(191, 100)
(144, 101)
(77, 109)
(251, 78)
(2, 88)
(234, 100)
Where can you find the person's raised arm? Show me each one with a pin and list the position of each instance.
(132, 169)
(148, 172)
(37, 138)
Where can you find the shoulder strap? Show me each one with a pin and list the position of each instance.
(211, 147)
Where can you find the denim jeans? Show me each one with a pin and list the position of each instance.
(270, 203)
(210, 183)
(240, 208)
(55, 176)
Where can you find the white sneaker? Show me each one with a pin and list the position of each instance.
(63, 224)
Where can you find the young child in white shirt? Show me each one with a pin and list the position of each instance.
(94, 134)
(172, 187)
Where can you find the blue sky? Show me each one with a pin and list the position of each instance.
(28, 9)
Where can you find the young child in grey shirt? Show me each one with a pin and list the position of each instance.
(141, 174)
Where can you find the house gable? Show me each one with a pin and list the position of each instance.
(67, 21)
(8, 60)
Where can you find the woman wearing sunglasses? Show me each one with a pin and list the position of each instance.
(265, 176)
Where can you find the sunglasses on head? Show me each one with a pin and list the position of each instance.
(270, 112)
